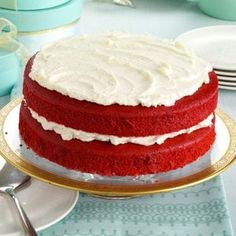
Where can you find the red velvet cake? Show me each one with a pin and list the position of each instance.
(118, 104)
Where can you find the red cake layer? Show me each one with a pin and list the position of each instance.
(120, 120)
(106, 159)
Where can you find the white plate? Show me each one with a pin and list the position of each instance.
(44, 204)
(216, 44)
(225, 73)
(223, 82)
(227, 87)
(226, 78)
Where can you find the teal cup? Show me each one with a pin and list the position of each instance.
(10, 68)
(28, 5)
(222, 9)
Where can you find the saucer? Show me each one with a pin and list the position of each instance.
(45, 205)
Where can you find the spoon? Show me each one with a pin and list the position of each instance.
(10, 180)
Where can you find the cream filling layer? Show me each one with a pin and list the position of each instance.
(69, 133)
(120, 68)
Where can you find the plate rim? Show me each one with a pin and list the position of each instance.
(227, 83)
(118, 190)
(226, 87)
(67, 212)
(226, 78)
(230, 73)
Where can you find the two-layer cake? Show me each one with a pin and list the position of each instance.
(118, 104)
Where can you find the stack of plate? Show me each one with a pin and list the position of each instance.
(217, 45)
(227, 78)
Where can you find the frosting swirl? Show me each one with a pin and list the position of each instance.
(120, 68)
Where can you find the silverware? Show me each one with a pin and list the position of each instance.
(10, 180)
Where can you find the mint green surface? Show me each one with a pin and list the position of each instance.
(196, 211)
(29, 21)
(9, 71)
(222, 9)
(4, 52)
(8, 4)
(30, 4)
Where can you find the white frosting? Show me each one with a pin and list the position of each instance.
(120, 68)
(69, 133)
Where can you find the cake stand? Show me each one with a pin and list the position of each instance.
(214, 162)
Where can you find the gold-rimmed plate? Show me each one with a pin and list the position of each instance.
(13, 149)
